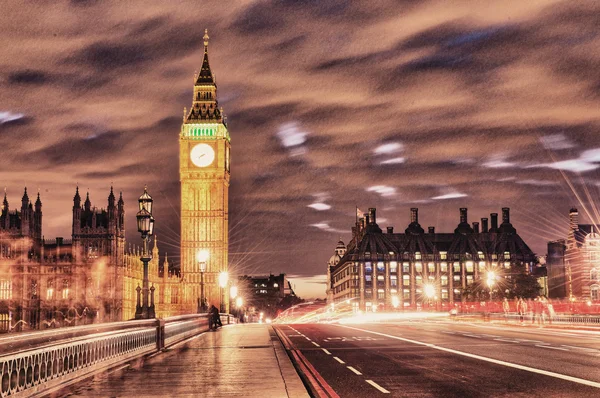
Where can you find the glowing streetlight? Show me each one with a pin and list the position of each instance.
(233, 292)
(223, 279)
(491, 280)
(429, 291)
(239, 302)
(202, 258)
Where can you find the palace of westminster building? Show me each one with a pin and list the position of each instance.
(94, 276)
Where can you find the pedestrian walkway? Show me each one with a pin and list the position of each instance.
(238, 360)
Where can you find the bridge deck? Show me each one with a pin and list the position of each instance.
(240, 360)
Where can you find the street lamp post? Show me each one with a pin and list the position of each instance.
(223, 279)
(202, 257)
(145, 223)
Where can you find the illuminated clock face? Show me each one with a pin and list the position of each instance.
(202, 155)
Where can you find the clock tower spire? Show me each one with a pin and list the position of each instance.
(204, 173)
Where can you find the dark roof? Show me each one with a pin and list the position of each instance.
(378, 244)
(205, 77)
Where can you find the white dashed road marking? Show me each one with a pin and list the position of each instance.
(339, 360)
(325, 351)
(377, 386)
(354, 370)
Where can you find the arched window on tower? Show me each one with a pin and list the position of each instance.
(594, 274)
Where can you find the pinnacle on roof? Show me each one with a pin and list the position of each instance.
(38, 202)
(205, 77)
(121, 198)
(5, 202)
(25, 198)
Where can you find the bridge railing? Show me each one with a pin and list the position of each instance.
(41, 362)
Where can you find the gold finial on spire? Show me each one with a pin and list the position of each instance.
(205, 40)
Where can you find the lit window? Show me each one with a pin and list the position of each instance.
(380, 294)
(406, 294)
(456, 278)
(5, 289)
(393, 266)
(494, 256)
(480, 255)
(418, 267)
(444, 267)
(275, 285)
(469, 265)
(594, 274)
(380, 266)
(443, 255)
(481, 265)
(405, 280)
(393, 280)
(469, 279)
(368, 267)
(419, 280)
(444, 280)
(507, 264)
(431, 268)
(507, 255)
(368, 278)
(456, 266)
(406, 268)
(417, 256)
(380, 277)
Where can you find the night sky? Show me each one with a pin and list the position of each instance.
(330, 104)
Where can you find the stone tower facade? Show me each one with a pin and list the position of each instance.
(204, 170)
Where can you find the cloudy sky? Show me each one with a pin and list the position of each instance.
(331, 105)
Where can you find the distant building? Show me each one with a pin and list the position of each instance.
(574, 263)
(390, 270)
(340, 250)
(264, 293)
(89, 278)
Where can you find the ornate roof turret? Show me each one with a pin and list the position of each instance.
(205, 106)
(87, 204)
(25, 199)
(5, 202)
(77, 198)
(111, 198)
(38, 203)
(121, 203)
(205, 76)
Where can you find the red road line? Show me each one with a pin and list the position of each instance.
(309, 376)
(318, 376)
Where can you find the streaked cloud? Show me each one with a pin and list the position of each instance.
(382, 190)
(556, 142)
(6, 117)
(319, 206)
(452, 195)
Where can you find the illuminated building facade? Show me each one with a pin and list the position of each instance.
(574, 263)
(403, 270)
(204, 170)
(90, 278)
(265, 294)
(340, 250)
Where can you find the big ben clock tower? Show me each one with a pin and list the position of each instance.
(204, 146)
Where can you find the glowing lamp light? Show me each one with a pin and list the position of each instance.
(202, 255)
(223, 279)
(491, 278)
(239, 302)
(233, 292)
(429, 290)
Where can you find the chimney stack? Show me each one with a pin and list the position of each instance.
(367, 220)
(476, 227)
(494, 217)
(484, 225)
(414, 215)
(372, 217)
(505, 215)
(390, 230)
(463, 214)
(431, 230)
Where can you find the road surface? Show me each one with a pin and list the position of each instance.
(447, 359)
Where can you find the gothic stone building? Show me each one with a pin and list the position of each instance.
(90, 278)
(574, 263)
(389, 270)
